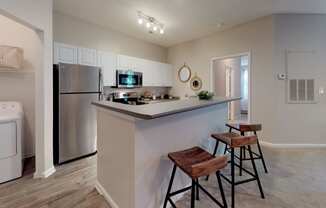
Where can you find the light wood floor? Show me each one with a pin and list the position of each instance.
(72, 186)
(296, 180)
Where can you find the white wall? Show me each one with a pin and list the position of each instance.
(37, 14)
(256, 37)
(94, 36)
(21, 86)
(300, 123)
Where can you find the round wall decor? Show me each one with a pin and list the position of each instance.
(196, 83)
(184, 73)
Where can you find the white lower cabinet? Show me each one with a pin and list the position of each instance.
(108, 63)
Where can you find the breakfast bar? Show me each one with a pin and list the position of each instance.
(133, 143)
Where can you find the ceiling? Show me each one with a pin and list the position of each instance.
(184, 19)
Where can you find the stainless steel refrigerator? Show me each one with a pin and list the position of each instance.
(75, 87)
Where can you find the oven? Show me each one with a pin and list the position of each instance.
(129, 79)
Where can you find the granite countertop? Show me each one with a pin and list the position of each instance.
(157, 110)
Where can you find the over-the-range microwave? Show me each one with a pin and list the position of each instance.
(128, 79)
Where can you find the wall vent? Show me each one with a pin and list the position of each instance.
(301, 91)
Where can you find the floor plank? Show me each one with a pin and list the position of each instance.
(73, 185)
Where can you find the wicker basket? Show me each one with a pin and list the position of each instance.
(11, 57)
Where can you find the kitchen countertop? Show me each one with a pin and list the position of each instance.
(157, 110)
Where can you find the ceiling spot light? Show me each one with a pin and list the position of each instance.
(152, 24)
(161, 31)
(140, 21)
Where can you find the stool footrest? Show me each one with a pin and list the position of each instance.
(180, 191)
(245, 170)
(209, 195)
(172, 203)
(238, 182)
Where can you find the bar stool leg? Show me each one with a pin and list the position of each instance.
(244, 148)
(214, 154)
(261, 154)
(240, 169)
(226, 148)
(197, 190)
(193, 187)
(232, 178)
(256, 172)
(221, 189)
(170, 186)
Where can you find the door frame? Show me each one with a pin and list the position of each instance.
(212, 80)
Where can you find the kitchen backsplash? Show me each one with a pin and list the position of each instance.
(154, 90)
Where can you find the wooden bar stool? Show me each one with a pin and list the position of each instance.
(234, 141)
(244, 128)
(196, 162)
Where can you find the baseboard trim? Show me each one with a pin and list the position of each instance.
(45, 174)
(292, 146)
(105, 194)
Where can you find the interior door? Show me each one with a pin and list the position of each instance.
(77, 134)
(228, 88)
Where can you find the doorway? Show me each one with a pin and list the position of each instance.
(230, 77)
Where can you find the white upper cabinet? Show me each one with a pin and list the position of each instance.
(69, 54)
(155, 74)
(126, 62)
(64, 53)
(87, 56)
(167, 75)
(108, 63)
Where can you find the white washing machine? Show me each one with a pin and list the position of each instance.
(11, 125)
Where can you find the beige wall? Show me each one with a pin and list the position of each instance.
(256, 37)
(93, 36)
(20, 86)
(267, 39)
(300, 123)
(37, 14)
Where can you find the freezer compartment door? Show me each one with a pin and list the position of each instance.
(78, 78)
(77, 134)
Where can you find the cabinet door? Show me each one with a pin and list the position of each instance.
(87, 56)
(108, 63)
(168, 75)
(125, 62)
(64, 53)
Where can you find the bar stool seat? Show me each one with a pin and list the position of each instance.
(235, 140)
(196, 162)
(245, 127)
